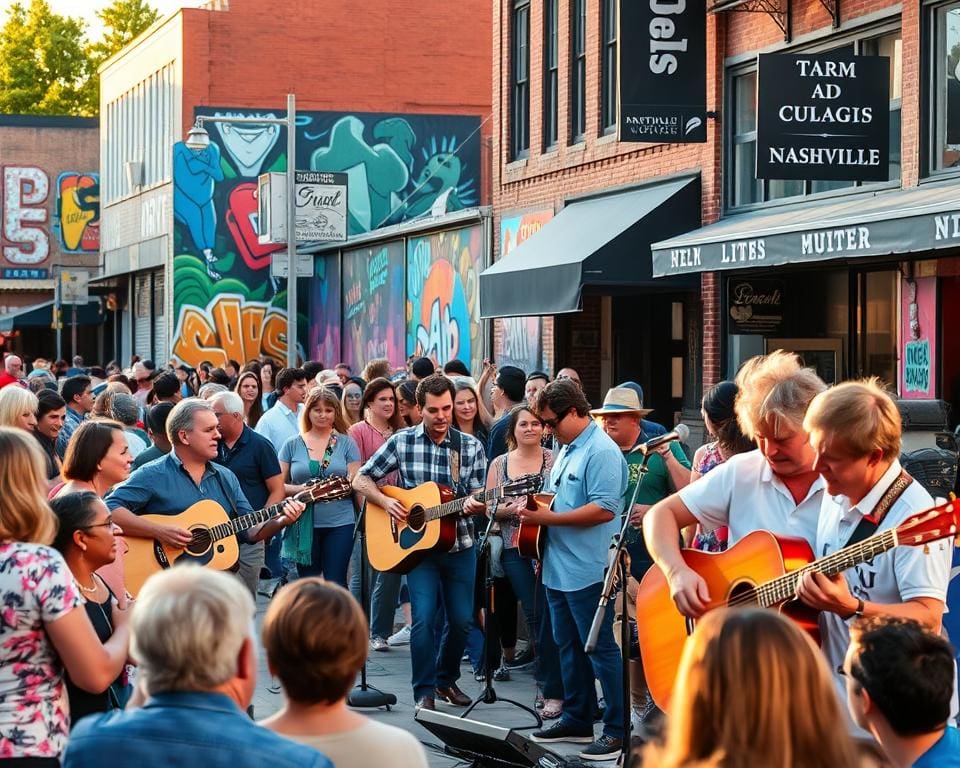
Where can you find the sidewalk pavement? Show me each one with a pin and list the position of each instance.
(390, 672)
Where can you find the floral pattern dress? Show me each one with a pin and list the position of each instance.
(36, 587)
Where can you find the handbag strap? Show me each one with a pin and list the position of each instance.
(869, 523)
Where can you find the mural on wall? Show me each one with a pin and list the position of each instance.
(519, 340)
(399, 166)
(324, 335)
(77, 220)
(443, 297)
(373, 308)
(918, 334)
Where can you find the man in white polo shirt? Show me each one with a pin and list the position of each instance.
(774, 488)
(855, 430)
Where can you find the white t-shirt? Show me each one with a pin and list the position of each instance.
(901, 574)
(744, 494)
(372, 745)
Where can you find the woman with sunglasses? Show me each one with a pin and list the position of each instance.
(352, 401)
(87, 540)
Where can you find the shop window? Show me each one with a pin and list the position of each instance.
(520, 81)
(608, 67)
(744, 188)
(578, 71)
(877, 312)
(551, 74)
(945, 71)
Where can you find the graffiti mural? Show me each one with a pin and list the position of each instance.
(373, 309)
(443, 298)
(324, 333)
(77, 220)
(519, 340)
(399, 166)
(26, 241)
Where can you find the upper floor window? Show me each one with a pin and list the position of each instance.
(520, 81)
(551, 74)
(743, 186)
(608, 67)
(945, 96)
(578, 71)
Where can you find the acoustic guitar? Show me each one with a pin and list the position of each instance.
(430, 525)
(532, 538)
(760, 570)
(214, 534)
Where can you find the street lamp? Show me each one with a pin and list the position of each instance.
(197, 139)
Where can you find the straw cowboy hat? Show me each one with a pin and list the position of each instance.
(621, 400)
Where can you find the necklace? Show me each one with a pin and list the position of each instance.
(89, 590)
(384, 433)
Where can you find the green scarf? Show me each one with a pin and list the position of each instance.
(298, 539)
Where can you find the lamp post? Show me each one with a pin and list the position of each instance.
(198, 139)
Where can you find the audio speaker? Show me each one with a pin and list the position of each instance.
(488, 745)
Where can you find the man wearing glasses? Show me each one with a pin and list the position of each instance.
(588, 478)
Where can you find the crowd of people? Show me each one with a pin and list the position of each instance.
(90, 453)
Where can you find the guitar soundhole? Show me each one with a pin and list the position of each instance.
(201, 542)
(416, 520)
(743, 593)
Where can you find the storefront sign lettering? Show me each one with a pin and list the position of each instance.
(756, 306)
(823, 117)
(947, 226)
(683, 258)
(835, 241)
(736, 252)
(916, 367)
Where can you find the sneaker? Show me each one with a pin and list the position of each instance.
(521, 660)
(400, 637)
(501, 674)
(378, 644)
(563, 732)
(604, 748)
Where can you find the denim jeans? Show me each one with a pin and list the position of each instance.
(440, 576)
(383, 603)
(330, 554)
(548, 655)
(272, 555)
(572, 614)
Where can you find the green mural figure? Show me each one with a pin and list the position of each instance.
(439, 176)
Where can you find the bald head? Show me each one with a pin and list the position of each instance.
(13, 365)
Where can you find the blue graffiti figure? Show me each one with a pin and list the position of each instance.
(195, 174)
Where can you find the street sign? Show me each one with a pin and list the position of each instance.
(321, 207)
(278, 264)
(73, 287)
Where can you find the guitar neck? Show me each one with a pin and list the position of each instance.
(784, 587)
(245, 522)
(455, 507)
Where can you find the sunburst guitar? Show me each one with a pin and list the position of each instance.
(214, 543)
(760, 570)
(431, 523)
(532, 538)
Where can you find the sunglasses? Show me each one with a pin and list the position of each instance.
(552, 423)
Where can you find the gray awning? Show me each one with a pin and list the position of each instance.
(602, 241)
(41, 315)
(879, 224)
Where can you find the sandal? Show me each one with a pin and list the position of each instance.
(552, 709)
(538, 702)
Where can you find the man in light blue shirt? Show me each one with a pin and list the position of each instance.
(282, 421)
(588, 478)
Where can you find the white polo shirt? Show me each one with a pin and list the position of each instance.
(744, 494)
(901, 574)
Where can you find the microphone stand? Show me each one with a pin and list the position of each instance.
(489, 695)
(618, 566)
(364, 695)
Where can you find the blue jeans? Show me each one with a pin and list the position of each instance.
(272, 555)
(572, 614)
(330, 555)
(447, 576)
(383, 603)
(548, 655)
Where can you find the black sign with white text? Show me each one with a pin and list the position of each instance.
(662, 78)
(823, 117)
(755, 306)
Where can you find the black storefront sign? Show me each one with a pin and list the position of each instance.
(823, 117)
(906, 234)
(755, 306)
(662, 78)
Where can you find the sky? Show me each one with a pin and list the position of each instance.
(86, 10)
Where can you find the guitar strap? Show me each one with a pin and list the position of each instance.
(869, 523)
(455, 445)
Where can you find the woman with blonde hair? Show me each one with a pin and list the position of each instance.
(43, 633)
(18, 407)
(752, 690)
(321, 540)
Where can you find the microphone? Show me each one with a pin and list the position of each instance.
(680, 432)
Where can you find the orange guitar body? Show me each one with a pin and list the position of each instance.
(757, 558)
(531, 538)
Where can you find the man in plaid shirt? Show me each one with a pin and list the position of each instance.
(422, 454)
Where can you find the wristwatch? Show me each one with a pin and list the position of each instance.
(858, 613)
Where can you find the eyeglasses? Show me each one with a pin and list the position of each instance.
(353, 396)
(552, 423)
(108, 524)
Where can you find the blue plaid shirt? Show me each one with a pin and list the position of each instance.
(417, 459)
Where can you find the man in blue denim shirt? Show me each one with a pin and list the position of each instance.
(192, 632)
(588, 478)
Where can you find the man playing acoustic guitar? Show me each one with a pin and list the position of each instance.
(855, 430)
(430, 452)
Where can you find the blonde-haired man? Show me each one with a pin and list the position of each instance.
(192, 633)
(774, 488)
(855, 431)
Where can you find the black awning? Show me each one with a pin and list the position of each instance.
(41, 316)
(602, 241)
(880, 224)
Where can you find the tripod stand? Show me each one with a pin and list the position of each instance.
(489, 695)
(364, 695)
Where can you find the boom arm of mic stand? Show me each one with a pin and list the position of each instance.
(611, 577)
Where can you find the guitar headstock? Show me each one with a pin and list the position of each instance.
(325, 489)
(523, 485)
(932, 525)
